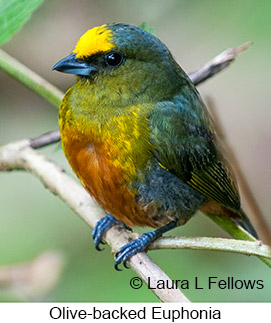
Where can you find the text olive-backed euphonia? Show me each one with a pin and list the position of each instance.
(138, 136)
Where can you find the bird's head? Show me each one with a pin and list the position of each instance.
(125, 55)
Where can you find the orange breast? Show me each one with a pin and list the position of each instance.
(104, 181)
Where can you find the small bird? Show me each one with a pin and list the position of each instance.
(139, 137)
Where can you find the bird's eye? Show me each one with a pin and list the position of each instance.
(114, 59)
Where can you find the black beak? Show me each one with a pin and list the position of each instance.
(71, 64)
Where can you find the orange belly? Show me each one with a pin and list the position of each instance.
(103, 180)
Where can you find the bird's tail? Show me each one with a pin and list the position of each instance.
(213, 209)
(242, 220)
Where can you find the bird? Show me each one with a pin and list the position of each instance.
(139, 137)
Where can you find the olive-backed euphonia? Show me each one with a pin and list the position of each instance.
(138, 136)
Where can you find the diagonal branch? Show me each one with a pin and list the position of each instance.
(20, 156)
(30, 79)
(217, 64)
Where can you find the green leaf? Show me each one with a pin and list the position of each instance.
(13, 14)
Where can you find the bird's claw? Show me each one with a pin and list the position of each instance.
(130, 249)
(97, 245)
(101, 227)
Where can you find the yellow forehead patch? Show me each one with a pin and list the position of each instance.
(95, 40)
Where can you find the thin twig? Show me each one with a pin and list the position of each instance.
(30, 79)
(217, 64)
(256, 248)
(45, 139)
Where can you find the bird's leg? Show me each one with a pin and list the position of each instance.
(102, 226)
(140, 244)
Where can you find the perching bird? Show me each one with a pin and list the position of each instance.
(138, 136)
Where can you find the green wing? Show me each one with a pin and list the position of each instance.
(182, 134)
(215, 182)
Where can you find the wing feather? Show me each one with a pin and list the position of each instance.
(183, 135)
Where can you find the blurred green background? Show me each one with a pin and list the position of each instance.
(32, 220)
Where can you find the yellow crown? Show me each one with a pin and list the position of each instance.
(95, 40)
